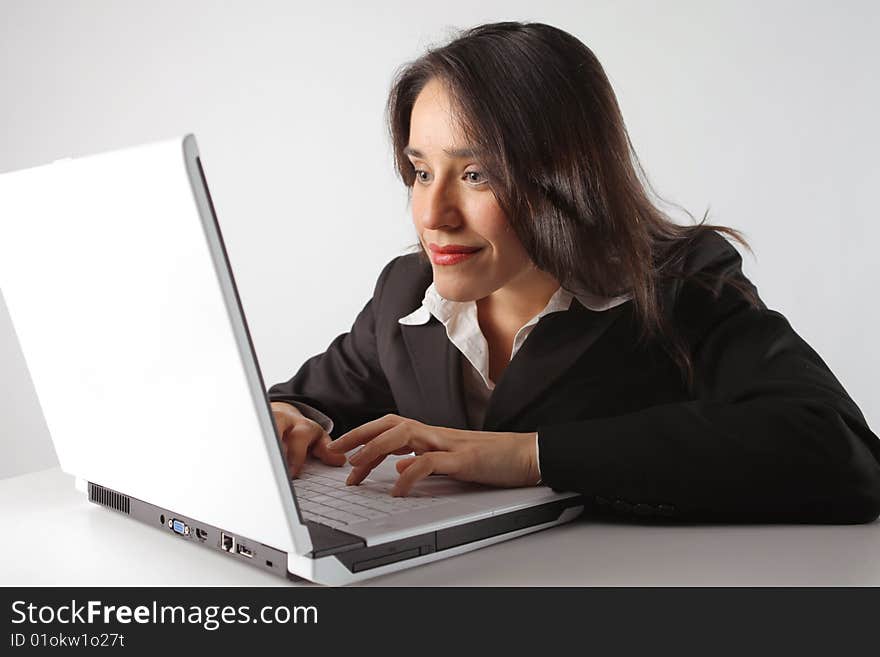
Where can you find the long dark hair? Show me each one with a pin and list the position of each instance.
(539, 108)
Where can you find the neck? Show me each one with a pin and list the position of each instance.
(511, 306)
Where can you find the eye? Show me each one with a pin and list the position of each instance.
(422, 176)
(475, 177)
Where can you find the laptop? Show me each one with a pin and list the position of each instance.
(123, 300)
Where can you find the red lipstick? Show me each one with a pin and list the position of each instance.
(451, 254)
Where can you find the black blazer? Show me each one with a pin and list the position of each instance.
(767, 434)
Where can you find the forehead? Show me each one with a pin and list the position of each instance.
(433, 124)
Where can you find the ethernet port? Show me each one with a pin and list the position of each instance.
(227, 542)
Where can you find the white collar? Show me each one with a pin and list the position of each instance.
(444, 309)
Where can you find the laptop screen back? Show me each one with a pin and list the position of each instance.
(132, 340)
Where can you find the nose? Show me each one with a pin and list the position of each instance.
(436, 206)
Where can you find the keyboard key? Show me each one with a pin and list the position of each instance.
(371, 514)
(349, 518)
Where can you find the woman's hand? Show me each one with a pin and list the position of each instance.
(494, 458)
(301, 436)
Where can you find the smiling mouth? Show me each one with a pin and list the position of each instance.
(452, 248)
(446, 259)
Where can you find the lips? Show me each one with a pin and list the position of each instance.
(453, 248)
(452, 254)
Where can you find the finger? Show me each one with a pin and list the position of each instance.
(395, 439)
(403, 464)
(364, 433)
(285, 419)
(358, 474)
(422, 466)
(299, 439)
(330, 458)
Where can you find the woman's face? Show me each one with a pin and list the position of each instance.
(453, 205)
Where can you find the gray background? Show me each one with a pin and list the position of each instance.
(763, 112)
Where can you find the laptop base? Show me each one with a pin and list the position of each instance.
(350, 551)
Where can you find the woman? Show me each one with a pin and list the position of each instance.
(556, 327)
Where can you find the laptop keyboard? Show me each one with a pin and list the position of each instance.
(325, 498)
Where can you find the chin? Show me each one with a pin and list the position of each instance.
(455, 292)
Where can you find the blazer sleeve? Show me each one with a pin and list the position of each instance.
(346, 383)
(769, 434)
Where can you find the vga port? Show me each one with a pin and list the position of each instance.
(179, 527)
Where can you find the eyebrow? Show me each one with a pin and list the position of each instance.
(458, 153)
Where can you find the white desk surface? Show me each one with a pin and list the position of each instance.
(53, 536)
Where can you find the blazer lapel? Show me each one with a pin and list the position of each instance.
(555, 344)
(438, 372)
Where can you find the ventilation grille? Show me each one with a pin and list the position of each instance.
(109, 498)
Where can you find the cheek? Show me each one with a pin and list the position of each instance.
(415, 206)
(419, 212)
(495, 227)
(487, 218)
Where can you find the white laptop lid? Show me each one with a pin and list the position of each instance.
(125, 318)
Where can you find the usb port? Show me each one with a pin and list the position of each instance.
(243, 551)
